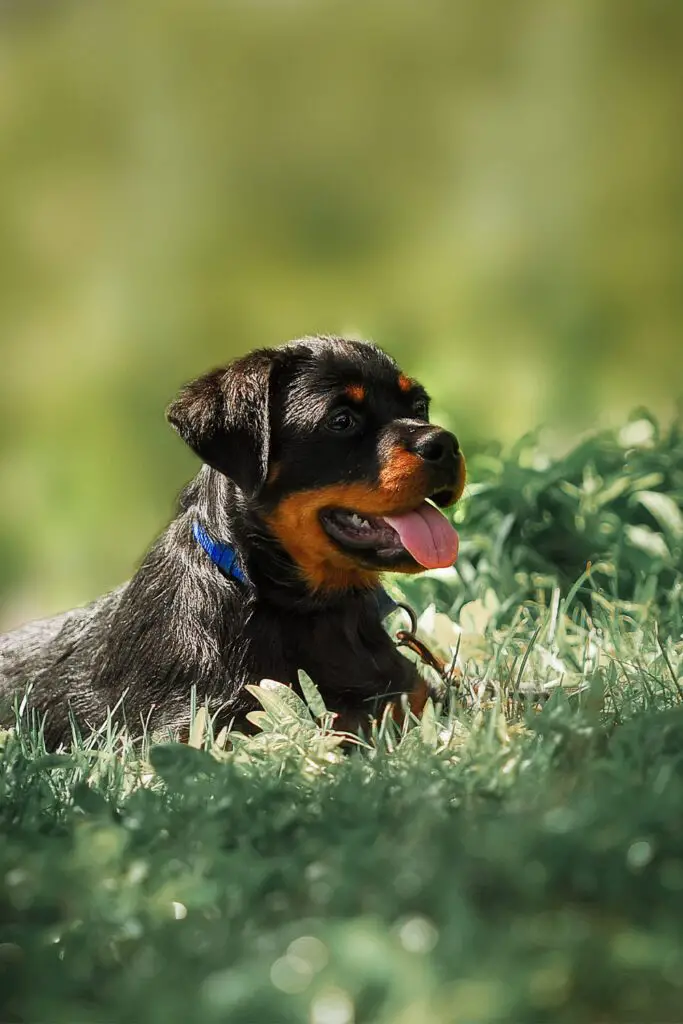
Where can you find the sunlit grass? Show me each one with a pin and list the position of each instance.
(516, 854)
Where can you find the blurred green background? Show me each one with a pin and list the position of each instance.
(492, 191)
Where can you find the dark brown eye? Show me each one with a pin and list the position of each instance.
(341, 421)
(420, 408)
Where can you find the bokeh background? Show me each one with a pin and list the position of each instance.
(492, 191)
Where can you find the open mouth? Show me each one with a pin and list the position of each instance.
(422, 535)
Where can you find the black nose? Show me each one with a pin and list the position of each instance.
(436, 447)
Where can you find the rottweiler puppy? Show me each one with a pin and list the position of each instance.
(320, 471)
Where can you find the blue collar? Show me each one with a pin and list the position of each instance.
(223, 555)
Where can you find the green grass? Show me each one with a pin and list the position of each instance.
(509, 858)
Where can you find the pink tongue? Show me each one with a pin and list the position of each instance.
(427, 535)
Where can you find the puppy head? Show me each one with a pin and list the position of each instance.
(333, 445)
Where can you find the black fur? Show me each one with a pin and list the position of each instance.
(180, 622)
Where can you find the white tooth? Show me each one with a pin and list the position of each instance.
(358, 521)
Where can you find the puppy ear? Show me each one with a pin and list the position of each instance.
(224, 417)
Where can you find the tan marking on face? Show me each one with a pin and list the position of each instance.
(295, 522)
(401, 467)
(405, 383)
(356, 392)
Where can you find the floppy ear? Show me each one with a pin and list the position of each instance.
(224, 418)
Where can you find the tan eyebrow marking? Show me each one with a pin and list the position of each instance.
(405, 383)
(356, 392)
